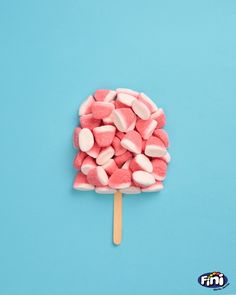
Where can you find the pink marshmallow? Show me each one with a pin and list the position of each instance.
(123, 118)
(87, 165)
(156, 187)
(101, 110)
(85, 107)
(120, 134)
(126, 165)
(141, 162)
(106, 154)
(108, 120)
(146, 127)
(105, 190)
(155, 147)
(141, 110)
(78, 160)
(160, 117)
(87, 121)
(143, 178)
(76, 137)
(104, 135)
(132, 190)
(104, 95)
(119, 150)
(143, 145)
(148, 102)
(132, 126)
(120, 179)
(120, 105)
(162, 135)
(159, 169)
(127, 91)
(81, 183)
(110, 166)
(86, 140)
(94, 151)
(166, 158)
(97, 176)
(120, 160)
(126, 99)
(132, 141)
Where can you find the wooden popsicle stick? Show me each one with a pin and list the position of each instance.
(117, 218)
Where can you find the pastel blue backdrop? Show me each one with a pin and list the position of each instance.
(56, 241)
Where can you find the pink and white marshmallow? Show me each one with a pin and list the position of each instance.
(120, 179)
(105, 155)
(132, 190)
(156, 187)
(86, 139)
(101, 110)
(81, 183)
(160, 117)
(155, 147)
(119, 149)
(123, 118)
(120, 105)
(126, 99)
(132, 142)
(85, 107)
(87, 165)
(159, 169)
(78, 160)
(110, 166)
(143, 178)
(141, 110)
(148, 102)
(127, 91)
(88, 121)
(120, 160)
(76, 137)
(104, 190)
(97, 176)
(105, 95)
(163, 135)
(104, 135)
(94, 151)
(141, 162)
(146, 127)
(166, 157)
(108, 120)
(126, 165)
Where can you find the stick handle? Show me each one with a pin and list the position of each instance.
(117, 218)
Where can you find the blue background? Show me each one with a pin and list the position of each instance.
(56, 241)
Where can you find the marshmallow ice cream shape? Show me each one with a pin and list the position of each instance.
(122, 147)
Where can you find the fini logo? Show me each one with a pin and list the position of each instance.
(213, 279)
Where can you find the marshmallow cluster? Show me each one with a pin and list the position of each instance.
(121, 143)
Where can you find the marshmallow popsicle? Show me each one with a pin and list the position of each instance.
(121, 147)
